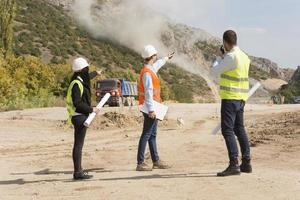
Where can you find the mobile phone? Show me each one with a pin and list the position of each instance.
(222, 49)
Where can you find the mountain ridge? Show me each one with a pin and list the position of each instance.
(195, 48)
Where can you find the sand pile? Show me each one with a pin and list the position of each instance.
(111, 120)
(115, 120)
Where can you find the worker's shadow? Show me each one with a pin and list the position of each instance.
(49, 172)
(163, 176)
(21, 181)
(154, 176)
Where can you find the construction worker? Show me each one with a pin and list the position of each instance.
(149, 91)
(234, 86)
(79, 108)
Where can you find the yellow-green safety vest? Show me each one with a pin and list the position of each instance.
(234, 84)
(70, 107)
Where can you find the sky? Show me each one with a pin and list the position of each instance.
(265, 28)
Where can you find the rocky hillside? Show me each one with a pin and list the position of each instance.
(65, 4)
(296, 77)
(46, 31)
(195, 48)
(292, 88)
(202, 48)
(271, 69)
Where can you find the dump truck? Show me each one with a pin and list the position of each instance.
(123, 93)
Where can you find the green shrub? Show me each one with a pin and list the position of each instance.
(27, 82)
(43, 25)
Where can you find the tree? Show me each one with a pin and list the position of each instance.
(7, 16)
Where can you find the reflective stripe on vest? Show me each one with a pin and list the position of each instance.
(224, 76)
(234, 84)
(70, 107)
(155, 83)
(230, 89)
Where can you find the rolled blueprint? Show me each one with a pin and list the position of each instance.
(91, 117)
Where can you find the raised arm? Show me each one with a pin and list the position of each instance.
(161, 62)
(222, 65)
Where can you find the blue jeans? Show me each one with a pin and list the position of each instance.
(148, 135)
(232, 123)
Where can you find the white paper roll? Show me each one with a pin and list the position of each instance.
(251, 92)
(91, 117)
(254, 88)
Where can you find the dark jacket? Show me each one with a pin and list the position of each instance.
(83, 103)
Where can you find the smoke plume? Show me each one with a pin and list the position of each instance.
(136, 23)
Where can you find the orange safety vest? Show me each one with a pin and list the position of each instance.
(156, 86)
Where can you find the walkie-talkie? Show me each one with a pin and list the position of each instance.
(222, 49)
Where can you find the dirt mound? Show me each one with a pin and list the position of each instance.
(115, 120)
(108, 120)
(119, 120)
(274, 128)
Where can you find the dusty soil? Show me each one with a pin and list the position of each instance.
(36, 145)
(269, 129)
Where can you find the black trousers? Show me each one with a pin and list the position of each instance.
(232, 122)
(79, 135)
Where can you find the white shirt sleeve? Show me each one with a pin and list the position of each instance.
(217, 61)
(220, 66)
(159, 63)
(148, 87)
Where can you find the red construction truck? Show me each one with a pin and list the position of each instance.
(123, 93)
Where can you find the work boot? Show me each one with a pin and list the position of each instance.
(232, 169)
(81, 175)
(246, 166)
(160, 165)
(143, 167)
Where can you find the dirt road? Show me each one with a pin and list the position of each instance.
(35, 152)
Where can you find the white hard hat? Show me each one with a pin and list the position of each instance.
(79, 64)
(149, 51)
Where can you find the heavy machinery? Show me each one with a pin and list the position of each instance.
(123, 93)
(296, 99)
(278, 99)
